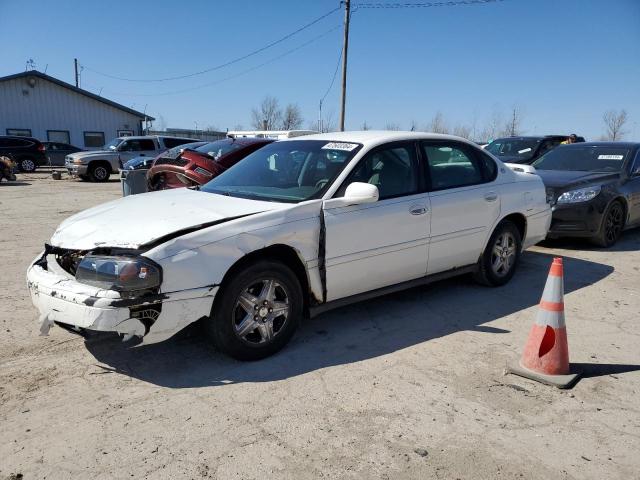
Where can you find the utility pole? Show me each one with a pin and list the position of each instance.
(347, 14)
(75, 64)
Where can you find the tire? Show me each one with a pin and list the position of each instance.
(27, 165)
(493, 269)
(612, 225)
(241, 301)
(99, 172)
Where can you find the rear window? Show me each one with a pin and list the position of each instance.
(14, 142)
(522, 148)
(220, 148)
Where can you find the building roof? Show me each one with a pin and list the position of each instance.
(44, 76)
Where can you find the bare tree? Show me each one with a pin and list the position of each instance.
(462, 131)
(513, 126)
(493, 127)
(438, 124)
(614, 122)
(292, 118)
(392, 126)
(365, 126)
(238, 126)
(413, 126)
(326, 124)
(211, 128)
(267, 115)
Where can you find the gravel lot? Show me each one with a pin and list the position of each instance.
(406, 386)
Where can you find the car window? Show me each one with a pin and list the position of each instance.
(288, 171)
(452, 166)
(137, 145)
(519, 148)
(393, 169)
(584, 158)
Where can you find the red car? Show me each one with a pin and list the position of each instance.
(190, 167)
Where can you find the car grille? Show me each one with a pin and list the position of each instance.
(180, 162)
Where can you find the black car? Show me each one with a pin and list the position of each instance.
(57, 151)
(27, 152)
(594, 189)
(526, 149)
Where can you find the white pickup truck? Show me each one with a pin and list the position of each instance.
(97, 166)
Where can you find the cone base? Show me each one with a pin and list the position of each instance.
(559, 381)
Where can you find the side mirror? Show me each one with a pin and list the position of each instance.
(357, 193)
(112, 147)
(635, 173)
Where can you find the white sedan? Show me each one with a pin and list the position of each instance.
(298, 227)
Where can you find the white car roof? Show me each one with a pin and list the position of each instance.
(376, 137)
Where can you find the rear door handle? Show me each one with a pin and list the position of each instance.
(491, 196)
(418, 210)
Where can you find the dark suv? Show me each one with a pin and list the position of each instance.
(27, 152)
(527, 149)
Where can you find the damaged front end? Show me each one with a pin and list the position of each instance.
(111, 290)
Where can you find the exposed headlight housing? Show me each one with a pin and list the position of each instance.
(581, 195)
(123, 274)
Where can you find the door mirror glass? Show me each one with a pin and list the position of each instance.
(112, 147)
(359, 192)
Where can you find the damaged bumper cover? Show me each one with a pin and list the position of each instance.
(153, 317)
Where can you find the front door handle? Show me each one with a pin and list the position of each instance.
(491, 196)
(418, 210)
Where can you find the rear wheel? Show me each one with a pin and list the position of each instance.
(499, 260)
(612, 225)
(99, 172)
(256, 312)
(27, 165)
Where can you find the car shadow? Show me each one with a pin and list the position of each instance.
(350, 334)
(17, 183)
(629, 242)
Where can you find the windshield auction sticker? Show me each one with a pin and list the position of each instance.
(610, 157)
(340, 146)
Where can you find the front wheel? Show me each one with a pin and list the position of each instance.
(256, 312)
(612, 226)
(99, 172)
(498, 262)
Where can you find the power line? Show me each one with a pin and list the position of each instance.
(453, 3)
(333, 79)
(222, 65)
(244, 72)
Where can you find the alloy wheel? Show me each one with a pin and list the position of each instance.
(27, 165)
(503, 255)
(261, 311)
(100, 173)
(613, 223)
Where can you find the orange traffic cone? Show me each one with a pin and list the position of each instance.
(546, 353)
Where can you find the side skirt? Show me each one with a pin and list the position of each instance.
(341, 302)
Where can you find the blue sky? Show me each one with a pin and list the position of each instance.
(564, 62)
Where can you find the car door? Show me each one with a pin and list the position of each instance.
(381, 243)
(56, 152)
(465, 203)
(136, 147)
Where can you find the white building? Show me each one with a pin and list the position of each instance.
(34, 104)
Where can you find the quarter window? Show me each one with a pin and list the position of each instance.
(452, 166)
(93, 139)
(391, 168)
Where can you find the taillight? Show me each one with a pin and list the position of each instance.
(41, 148)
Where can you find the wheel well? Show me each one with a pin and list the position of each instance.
(520, 222)
(282, 253)
(625, 207)
(95, 163)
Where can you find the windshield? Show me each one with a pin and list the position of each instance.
(176, 151)
(219, 148)
(523, 148)
(289, 171)
(583, 159)
(113, 143)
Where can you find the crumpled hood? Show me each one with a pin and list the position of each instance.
(136, 220)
